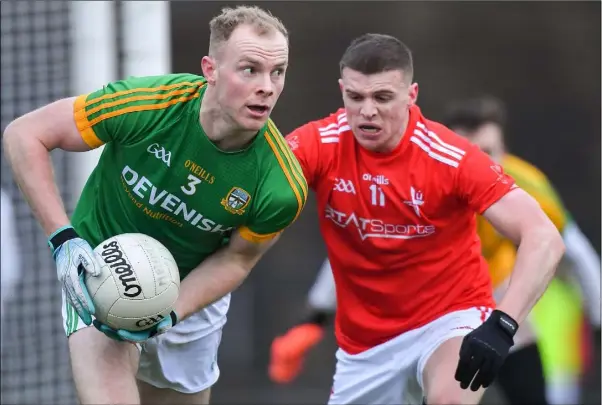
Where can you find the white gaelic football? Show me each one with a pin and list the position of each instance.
(138, 285)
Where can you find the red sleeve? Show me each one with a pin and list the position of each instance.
(304, 144)
(481, 182)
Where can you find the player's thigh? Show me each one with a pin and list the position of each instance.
(104, 370)
(151, 395)
(440, 386)
(184, 359)
(439, 358)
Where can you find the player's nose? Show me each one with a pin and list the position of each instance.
(265, 85)
(368, 109)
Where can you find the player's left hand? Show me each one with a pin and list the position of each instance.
(139, 336)
(484, 350)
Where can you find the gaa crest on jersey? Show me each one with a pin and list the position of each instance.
(236, 201)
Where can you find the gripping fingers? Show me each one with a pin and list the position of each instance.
(463, 375)
(482, 378)
(84, 293)
(79, 308)
(95, 266)
(133, 337)
(109, 332)
(78, 300)
(469, 364)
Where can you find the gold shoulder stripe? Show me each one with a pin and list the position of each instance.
(138, 108)
(300, 199)
(290, 157)
(255, 237)
(84, 127)
(143, 90)
(138, 98)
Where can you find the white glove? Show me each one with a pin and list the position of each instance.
(75, 259)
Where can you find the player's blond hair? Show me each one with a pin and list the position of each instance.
(222, 26)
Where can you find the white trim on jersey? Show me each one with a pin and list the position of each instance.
(437, 146)
(331, 132)
(432, 141)
(435, 137)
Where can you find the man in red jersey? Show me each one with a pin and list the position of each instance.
(397, 196)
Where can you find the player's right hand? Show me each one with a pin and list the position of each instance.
(288, 351)
(75, 259)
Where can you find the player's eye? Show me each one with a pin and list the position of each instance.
(278, 72)
(355, 97)
(248, 71)
(383, 98)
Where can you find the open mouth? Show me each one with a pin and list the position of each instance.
(370, 129)
(258, 108)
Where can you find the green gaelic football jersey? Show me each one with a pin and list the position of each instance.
(160, 175)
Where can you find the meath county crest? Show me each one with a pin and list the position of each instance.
(236, 201)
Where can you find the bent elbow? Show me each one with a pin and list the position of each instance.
(551, 238)
(10, 138)
(9, 134)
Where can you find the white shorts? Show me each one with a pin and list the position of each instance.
(391, 373)
(185, 357)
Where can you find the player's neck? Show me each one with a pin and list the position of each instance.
(220, 129)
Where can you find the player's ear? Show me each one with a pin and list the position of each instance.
(209, 69)
(413, 93)
(341, 85)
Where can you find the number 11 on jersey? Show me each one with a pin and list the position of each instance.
(377, 194)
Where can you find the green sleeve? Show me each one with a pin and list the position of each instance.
(124, 111)
(283, 195)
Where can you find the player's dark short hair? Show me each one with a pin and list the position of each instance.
(471, 113)
(377, 53)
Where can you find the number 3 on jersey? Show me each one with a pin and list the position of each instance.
(190, 188)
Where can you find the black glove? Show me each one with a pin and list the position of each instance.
(484, 350)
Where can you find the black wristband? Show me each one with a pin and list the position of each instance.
(505, 322)
(62, 237)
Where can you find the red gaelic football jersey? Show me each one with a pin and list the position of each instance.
(399, 227)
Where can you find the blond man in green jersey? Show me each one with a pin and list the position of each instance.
(193, 161)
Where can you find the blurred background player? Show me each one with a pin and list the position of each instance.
(396, 197)
(554, 334)
(193, 161)
(556, 323)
